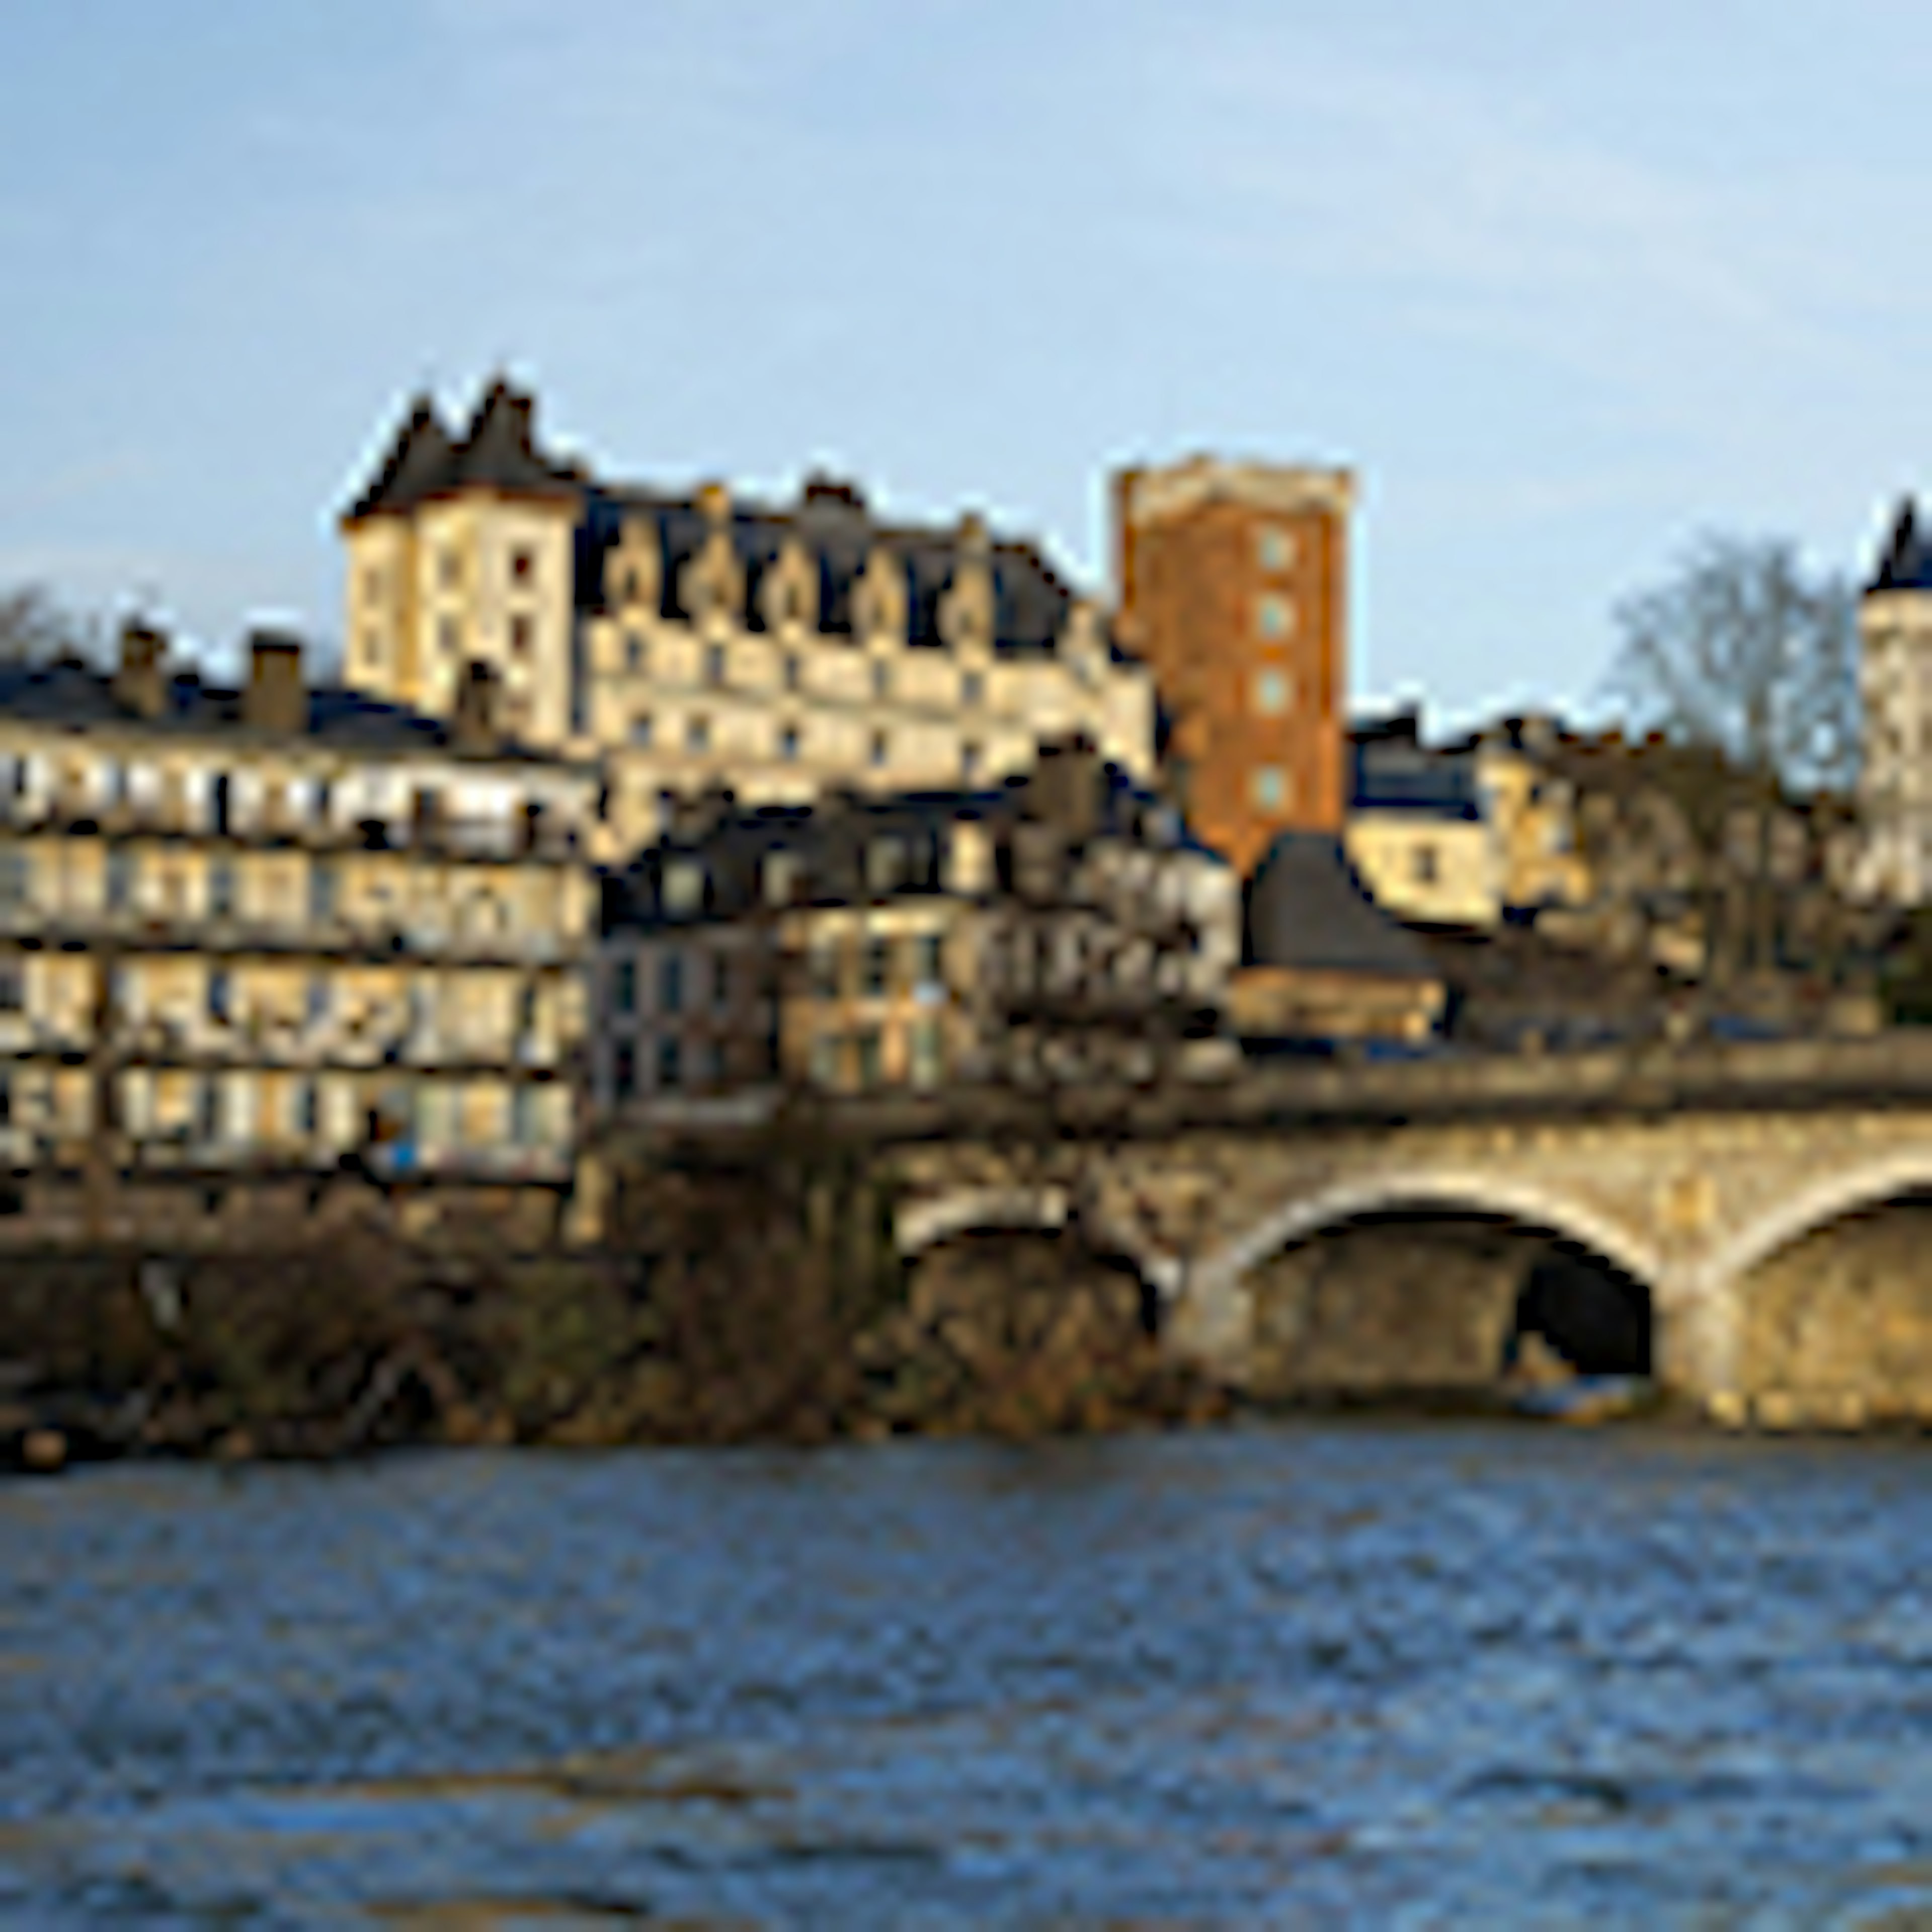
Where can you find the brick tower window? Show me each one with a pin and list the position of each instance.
(1274, 549)
(1269, 785)
(1272, 692)
(1273, 617)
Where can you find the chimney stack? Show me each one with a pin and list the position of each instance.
(275, 699)
(1064, 790)
(475, 729)
(139, 686)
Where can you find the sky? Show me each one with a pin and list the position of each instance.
(1565, 286)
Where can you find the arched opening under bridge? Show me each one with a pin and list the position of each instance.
(1435, 1300)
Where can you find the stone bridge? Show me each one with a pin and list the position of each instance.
(1743, 1192)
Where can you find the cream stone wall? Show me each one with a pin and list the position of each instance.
(1895, 778)
(1434, 871)
(195, 914)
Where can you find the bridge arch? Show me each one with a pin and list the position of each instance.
(1450, 1191)
(1812, 1206)
(924, 1225)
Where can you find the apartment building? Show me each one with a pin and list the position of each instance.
(684, 640)
(259, 930)
(1059, 926)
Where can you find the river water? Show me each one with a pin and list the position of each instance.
(1273, 1675)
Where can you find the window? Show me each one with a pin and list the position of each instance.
(878, 966)
(825, 1059)
(208, 1110)
(972, 688)
(12, 986)
(697, 735)
(878, 748)
(523, 566)
(714, 664)
(624, 1070)
(372, 649)
(970, 758)
(885, 865)
(792, 670)
(781, 874)
(522, 1116)
(714, 1063)
(307, 1107)
(641, 730)
(523, 631)
(1269, 787)
(671, 983)
(927, 1061)
(1270, 692)
(624, 986)
(449, 568)
(872, 1057)
(372, 585)
(929, 961)
(220, 804)
(120, 879)
(788, 743)
(16, 876)
(449, 637)
(321, 893)
(315, 998)
(670, 1061)
(882, 680)
(721, 980)
(1272, 616)
(824, 970)
(221, 889)
(1274, 548)
(220, 994)
(636, 654)
(1424, 866)
(683, 886)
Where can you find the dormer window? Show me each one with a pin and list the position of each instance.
(683, 886)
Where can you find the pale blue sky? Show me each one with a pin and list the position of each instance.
(1563, 284)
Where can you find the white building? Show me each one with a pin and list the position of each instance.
(683, 641)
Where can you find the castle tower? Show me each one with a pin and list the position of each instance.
(1895, 774)
(1232, 581)
(460, 552)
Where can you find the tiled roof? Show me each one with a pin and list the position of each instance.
(1306, 909)
(1397, 774)
(498, 452)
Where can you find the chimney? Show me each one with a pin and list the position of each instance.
(474, 729)
(1064, 789)
(275, 700)
(139, 685)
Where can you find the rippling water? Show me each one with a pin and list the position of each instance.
(1294, 1675)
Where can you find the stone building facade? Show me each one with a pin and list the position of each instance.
(684, 640)
(1233, 587)
(1031, 932)
(257, 931)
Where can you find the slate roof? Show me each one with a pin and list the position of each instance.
(68, 694)
(832, 837)
(1306, 909)
(1906, 562)
(498, 451)
(1397, 774)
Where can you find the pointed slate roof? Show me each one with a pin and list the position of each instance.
(1906, 564)
(1306, 909)
(498, 452)
(418, 464)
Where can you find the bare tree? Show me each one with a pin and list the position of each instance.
(1746, 651)
(34, 627)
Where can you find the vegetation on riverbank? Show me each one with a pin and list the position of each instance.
(758, 1302)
